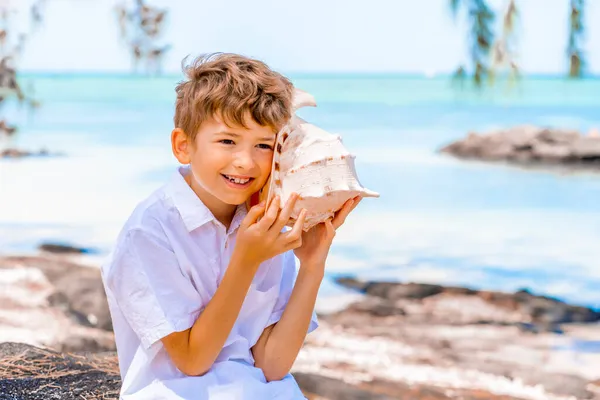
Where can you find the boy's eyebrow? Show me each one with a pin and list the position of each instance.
(237, 135)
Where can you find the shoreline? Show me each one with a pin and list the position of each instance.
(338, 298)
(396, 339)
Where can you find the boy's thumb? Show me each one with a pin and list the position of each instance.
(254, 213)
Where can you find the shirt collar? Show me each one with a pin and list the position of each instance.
(240, 214)
(192, 210)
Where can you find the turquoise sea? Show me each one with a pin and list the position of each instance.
(437, 220)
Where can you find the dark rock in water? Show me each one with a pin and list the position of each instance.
(16, 153)
(377, 307)
(530, 145)
(421, 291)
(59, 248)
(543, 311)
(405, 291)
(548, 310)
(395, 291)
(352, 283)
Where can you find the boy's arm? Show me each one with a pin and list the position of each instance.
(279, 345)
(195, 350)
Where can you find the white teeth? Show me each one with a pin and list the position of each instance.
(238, 180)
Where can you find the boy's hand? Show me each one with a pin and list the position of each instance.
(258, 241)
(317, 241)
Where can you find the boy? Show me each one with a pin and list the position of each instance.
(204, 295)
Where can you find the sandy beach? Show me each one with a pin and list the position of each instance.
(456, 344)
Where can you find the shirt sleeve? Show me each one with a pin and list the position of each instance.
(151, 291)
(288, 279)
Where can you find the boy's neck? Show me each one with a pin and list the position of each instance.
(221, 211)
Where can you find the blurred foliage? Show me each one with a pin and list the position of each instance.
(491, 54)
(504, 54)
(576, 33)
(480, 18)
(141, 27)
(12, 44)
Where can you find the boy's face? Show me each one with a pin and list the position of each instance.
(229, 163)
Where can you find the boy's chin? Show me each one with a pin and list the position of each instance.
(235, 200)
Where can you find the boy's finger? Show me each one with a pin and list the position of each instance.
(296, 232)
(253, 214)
(330, 229)
(286, 212)
(270, 215)
(341, 215)
(293, 245)
(357, 201)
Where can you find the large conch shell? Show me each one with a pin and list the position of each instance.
(313, 163)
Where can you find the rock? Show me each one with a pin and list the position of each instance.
(377, 307)
(17, 153)
(586, 149)
(520, 137)
(452, 304)
(392, 291)
(530, 145)
(550, 152)
(77, 288)
(408, 290)
(64, 249)
(352, 283)
(554, 136)
(13, 153)
(496, 151)
(54, 303)
(87, 340)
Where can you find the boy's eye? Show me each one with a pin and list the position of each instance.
(226, 141)
(265, 146)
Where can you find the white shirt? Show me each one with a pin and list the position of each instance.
(167, 264)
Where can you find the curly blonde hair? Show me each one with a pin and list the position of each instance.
(231, 87)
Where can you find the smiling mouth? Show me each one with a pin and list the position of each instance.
(236, 180)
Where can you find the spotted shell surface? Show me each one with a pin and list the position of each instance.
(315, 164)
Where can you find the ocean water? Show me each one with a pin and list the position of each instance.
(438, 219)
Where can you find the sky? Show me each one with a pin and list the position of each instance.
(404, 36)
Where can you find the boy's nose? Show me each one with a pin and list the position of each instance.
(243, 160)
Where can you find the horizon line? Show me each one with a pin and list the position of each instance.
(315, 73)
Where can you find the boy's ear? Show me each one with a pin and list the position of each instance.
(180, 144)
